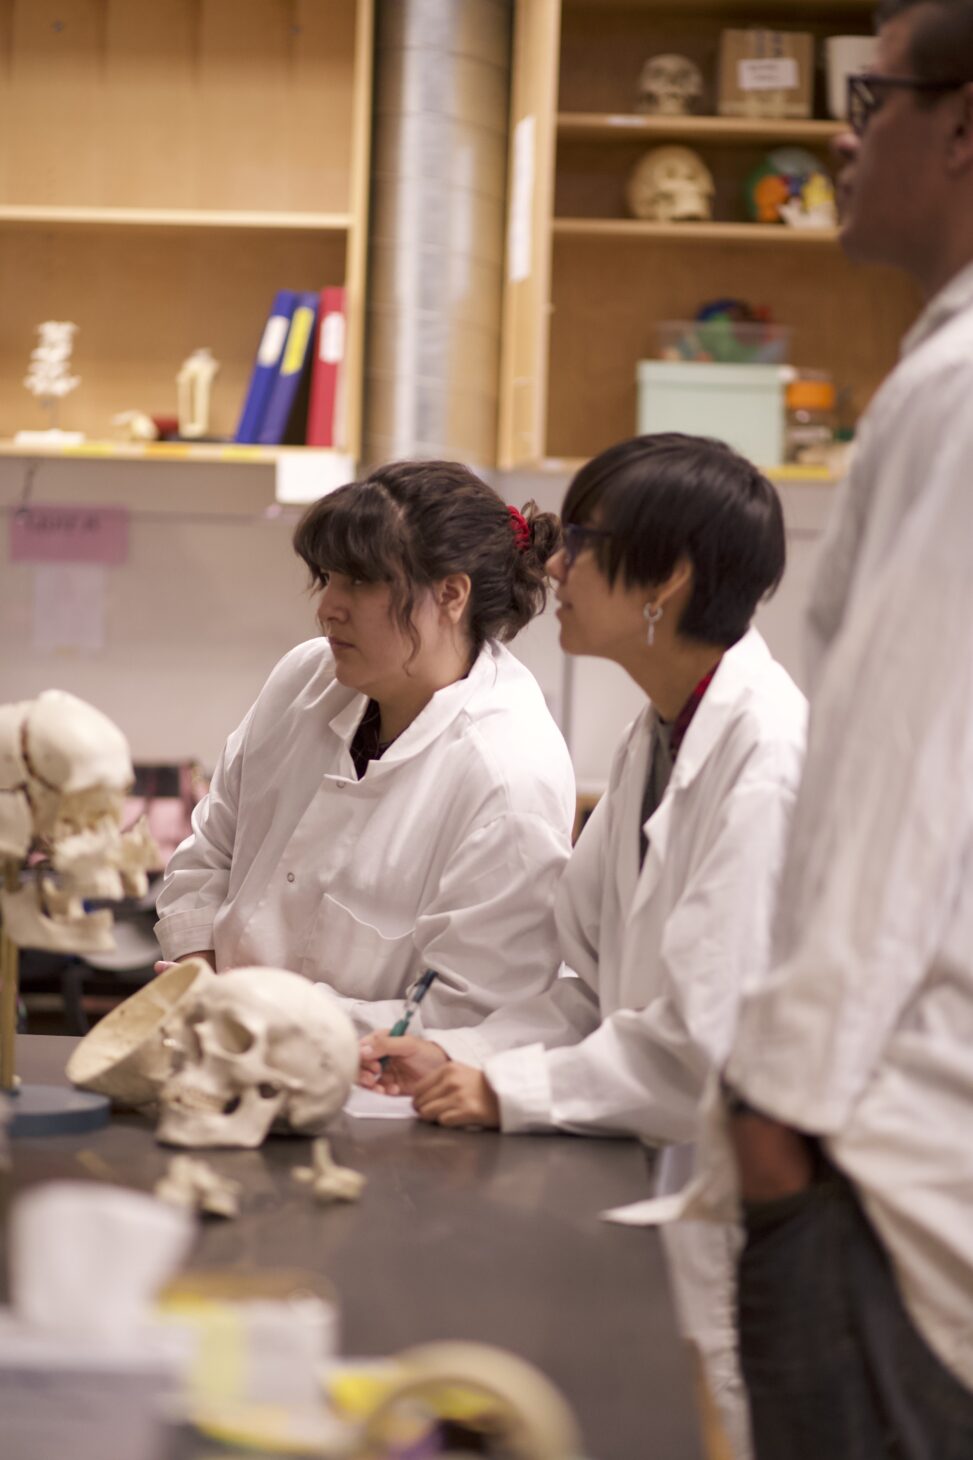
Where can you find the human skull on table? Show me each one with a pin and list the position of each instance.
(669, 86)
(253, 1047)
(671, 185)
(64, 773)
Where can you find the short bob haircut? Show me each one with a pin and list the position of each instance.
(670, 496)
(412, 523)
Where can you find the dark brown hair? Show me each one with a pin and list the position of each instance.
(942, 42)
(412, 523)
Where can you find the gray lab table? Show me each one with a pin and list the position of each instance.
(458, 1235)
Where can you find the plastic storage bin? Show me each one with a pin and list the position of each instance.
(722, 341)
(740, 404)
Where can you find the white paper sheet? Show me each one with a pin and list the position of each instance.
(657, 1211)
(373, 1105)
(69, 606)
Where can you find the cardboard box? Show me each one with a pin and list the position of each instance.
(766, 73)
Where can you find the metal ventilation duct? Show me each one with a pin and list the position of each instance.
(435, 278)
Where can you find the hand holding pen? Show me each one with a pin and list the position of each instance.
(419, 991)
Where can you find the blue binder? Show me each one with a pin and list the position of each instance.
(293, 377)
(264, 373)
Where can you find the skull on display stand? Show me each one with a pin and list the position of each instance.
(253, 1047)
(669, 86)
(64, 773)
(671, 185)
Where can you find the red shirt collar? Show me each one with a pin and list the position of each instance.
(684, 718)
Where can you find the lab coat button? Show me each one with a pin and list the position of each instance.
(290, 876)
(341, 785)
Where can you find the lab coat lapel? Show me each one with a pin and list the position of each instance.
(630, 808)
(738, 669)
(736, 672)
(657, 830)
(445, 706)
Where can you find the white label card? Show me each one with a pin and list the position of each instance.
(272, 342)
(331, 346)
(776, 73)
(69, 606)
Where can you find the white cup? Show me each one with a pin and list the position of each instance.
(87, 1258)
(845, 55)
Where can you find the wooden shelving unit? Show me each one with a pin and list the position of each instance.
(582, 312)
(165, 168)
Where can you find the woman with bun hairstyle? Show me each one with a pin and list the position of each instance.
(398, 798)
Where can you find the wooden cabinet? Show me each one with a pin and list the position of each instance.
(165, 167)
(587, 283)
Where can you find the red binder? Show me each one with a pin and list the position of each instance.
(325, 424)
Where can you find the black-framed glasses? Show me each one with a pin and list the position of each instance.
(577, 536)
(868, 89)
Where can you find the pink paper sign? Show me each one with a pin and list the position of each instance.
(63, 533)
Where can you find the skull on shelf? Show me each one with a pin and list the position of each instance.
(251, 1047)
(671, 185)
(669, 86)
(64, 772)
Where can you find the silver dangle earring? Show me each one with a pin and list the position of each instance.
(652, 613)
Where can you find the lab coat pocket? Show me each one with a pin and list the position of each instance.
(358, 959)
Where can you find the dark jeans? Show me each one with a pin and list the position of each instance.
(835, 1368)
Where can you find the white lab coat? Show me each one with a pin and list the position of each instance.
(444, 855)
(864, 1032)
(662, 956)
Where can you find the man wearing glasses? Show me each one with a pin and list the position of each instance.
(850, 1087)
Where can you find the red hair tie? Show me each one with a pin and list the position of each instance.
(521, 528)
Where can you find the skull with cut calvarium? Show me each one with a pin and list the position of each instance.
(64, 773)
(255, 1047)
(669, 86)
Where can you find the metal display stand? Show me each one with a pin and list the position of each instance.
(37, 1110)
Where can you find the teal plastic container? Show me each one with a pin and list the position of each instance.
(740, 404)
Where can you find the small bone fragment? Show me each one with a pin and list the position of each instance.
(191, 1182)
(329, 1181)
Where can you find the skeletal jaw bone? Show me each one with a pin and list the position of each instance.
(39, 915)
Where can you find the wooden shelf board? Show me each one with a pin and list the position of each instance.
(809, 9)
(633, 228)
(28, 215)
(629, 127)
(818, 476)
(164, 451)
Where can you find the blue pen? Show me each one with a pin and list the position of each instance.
(411, 1005)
